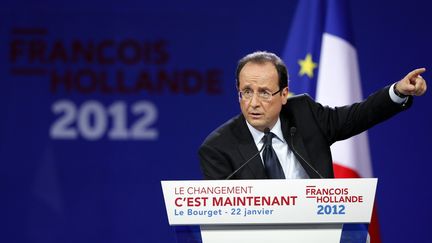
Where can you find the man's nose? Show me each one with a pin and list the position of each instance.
(255, 101)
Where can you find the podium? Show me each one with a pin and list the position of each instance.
(311, 210)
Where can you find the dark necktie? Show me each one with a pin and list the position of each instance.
(271, 161)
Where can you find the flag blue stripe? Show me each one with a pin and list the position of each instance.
(305, 37)
(337, 20)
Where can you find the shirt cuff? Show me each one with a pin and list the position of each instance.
(394, 97)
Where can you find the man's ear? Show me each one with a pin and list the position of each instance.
(285, 93)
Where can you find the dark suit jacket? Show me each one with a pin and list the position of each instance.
(317, 127)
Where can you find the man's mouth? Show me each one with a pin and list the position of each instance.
(255, 114)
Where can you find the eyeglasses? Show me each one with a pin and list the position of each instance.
(247, 94)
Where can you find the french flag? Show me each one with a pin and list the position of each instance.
(322, 61)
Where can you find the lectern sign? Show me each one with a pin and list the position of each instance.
(269, 201)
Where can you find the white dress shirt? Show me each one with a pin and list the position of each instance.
(394, 97)
(290, 165)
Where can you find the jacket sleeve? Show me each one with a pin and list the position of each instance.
(340, 123)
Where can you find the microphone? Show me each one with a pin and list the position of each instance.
(293, 131)
(266, 131)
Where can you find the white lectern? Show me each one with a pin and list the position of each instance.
(270, 210)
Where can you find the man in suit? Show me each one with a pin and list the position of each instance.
(297, 130)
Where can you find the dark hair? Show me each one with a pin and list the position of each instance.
(263, 57)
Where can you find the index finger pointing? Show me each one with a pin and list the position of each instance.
(416, 72)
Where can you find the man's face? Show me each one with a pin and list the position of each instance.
(260, 77)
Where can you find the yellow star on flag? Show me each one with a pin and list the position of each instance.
(291, 94)
(307, 66)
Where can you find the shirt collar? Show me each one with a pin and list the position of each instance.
(258, 135)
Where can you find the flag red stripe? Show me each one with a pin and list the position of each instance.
(374, 231)
(345, 172)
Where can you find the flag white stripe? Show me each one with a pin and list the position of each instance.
(339, 84)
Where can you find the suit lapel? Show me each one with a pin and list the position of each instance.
(255, 165)
(299, 147)
(248, 149)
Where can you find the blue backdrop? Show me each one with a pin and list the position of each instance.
(102, 100)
